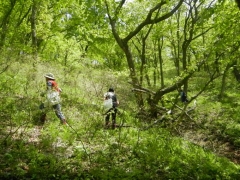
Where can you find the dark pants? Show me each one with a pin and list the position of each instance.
(111, 112)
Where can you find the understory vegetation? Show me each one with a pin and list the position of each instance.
(151, 53)
(201, 145)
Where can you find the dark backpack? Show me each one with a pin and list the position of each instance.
(183, 96)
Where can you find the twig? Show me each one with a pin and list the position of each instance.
(12, 133)
(185, 112)
(4, 69)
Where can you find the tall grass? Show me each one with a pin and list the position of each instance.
(85, 150)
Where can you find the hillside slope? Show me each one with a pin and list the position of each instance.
(84, 149)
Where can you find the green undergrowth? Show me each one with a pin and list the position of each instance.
(220, 118)
(119, 154)
(85, 149)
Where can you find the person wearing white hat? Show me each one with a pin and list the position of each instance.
(52, 98)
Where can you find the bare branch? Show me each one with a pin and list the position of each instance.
(4, 69)
(205, 86)
(141, 89)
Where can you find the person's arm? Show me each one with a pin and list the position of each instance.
(53, 85)
(106, 96)
(116, 100)
(49, 85)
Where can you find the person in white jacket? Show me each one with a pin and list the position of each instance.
(112, 111)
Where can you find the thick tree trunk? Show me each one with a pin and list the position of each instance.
(133, 75)
(143, 69)
(161, 92)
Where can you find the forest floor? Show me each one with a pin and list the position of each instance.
(203, 139)
(212, 142)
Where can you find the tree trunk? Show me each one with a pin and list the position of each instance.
(155, 73)
(143, 71)
(178, 44)
(5, 22)
(184, 63)
(33, 27)
(160, 46)
(221, 95)
(236, 71)
(133, 74)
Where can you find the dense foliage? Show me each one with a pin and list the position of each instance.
(147, 51)
(84, 149)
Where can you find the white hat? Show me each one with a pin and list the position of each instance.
(50, 76)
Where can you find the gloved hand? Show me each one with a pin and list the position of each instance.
(41, 106)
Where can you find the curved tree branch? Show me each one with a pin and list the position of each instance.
(149, 19)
